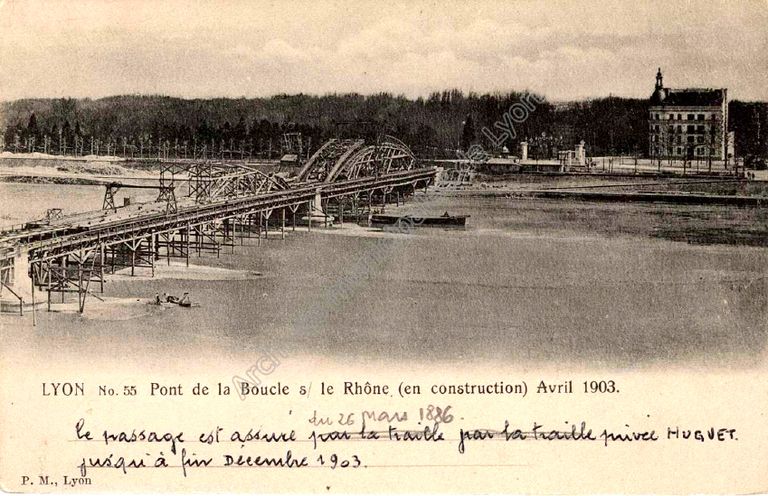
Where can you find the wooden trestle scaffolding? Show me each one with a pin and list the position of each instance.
(83, 272)
(226, 205)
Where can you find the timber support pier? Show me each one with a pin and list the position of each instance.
(72, 256)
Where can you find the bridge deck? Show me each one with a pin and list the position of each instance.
(105, 227)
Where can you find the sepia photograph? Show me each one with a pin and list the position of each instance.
(375, 247)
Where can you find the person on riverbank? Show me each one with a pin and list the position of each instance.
(184, 301)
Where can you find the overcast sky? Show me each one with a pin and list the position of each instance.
(566, 50)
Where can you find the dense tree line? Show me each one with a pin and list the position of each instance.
(749, 123)
(436, 126)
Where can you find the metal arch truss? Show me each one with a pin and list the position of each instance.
(212, 181)
(345, 159)
(327, 158)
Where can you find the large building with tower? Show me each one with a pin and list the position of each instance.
(688, 123)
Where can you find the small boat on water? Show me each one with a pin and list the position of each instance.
(445, 220)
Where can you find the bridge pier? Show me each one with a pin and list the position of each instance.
(315, 212)
(265, 217)
(22, 282)
(15, 282)
(293, 209)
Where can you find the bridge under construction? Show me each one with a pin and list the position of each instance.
(223, 204)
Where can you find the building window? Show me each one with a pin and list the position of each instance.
(679, 117)
(690, 139)
(690, 128)
(701, 117)
(701, 139)
(690, 117)
(679, 139)
(679, 150)
(700, 129)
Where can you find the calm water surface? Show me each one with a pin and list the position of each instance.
(528, 281)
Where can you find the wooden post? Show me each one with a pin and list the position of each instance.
(101, 269)
(133, 260)
(234, 233)
(152, 244)
(309, 215)
(50, 276)
(258, 230)
(189, 230)
(341, 214)
(282, 223)
(34, 309)
(293, 211)
(64, 275)
(80, 285)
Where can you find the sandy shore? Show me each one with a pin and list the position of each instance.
(179, 271)
(100, 307)
(108, 308)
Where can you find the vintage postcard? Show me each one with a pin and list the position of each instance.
(403, 247)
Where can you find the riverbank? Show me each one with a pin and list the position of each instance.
(89, 170)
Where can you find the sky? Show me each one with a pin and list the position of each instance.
(564, 50)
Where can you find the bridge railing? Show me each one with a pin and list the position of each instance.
(12, 227)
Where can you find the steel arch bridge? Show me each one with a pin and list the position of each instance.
(227, 202)
(344, 159)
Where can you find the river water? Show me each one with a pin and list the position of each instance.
(528, 281)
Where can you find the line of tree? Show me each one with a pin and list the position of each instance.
(436, 126)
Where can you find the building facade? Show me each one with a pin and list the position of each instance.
(688, 123)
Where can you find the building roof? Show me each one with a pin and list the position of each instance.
(694, 96)
(689, 97)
